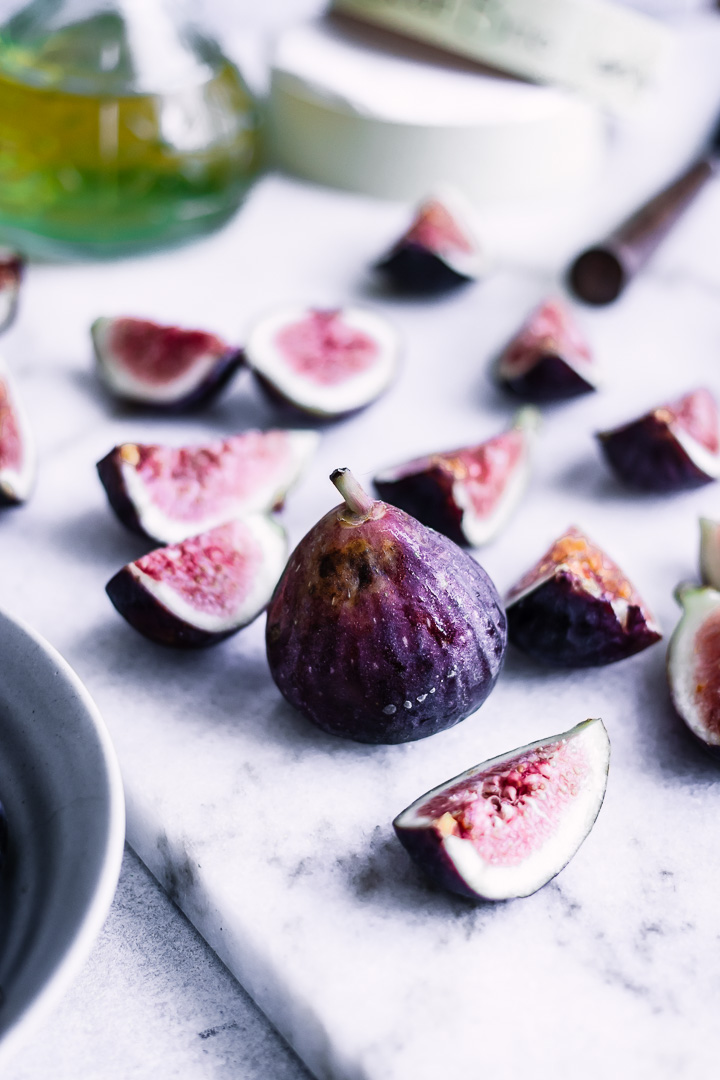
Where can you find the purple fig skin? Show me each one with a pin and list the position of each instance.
(153, 620)
(576, 608)
(428, 496)
(560, 624)
(550, 379)
(425, 848)
(646, 455)
(382, 630)
(414, 270)
(111, 479)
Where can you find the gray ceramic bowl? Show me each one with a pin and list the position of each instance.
(61, 787)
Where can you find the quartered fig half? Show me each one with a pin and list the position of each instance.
(11, 270)
(203, 589)
(169, 493)
(549, 358)
(710, 552)
(381, 630)
(323, 362)
(17, 446)
(469, 493)
(576, 608)
(504, 828)
(165, 367)
(693, 663)
(672, 448)
(438, 252)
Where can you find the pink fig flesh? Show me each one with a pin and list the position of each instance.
(693, 664)
(438, 252)
(674, 447)
(469, 493)
(323, 362)
(381, 630)
(165, 367)
(504, 828)
(576, 608)
(205, 588)
(549, 359)
(170, 493)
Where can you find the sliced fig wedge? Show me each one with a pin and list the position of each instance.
(549, 358)
(504, 828)
(576, 608)
(324, 362)
(672, 448)
(11, 270)
(17, 446)
(162, 366)
(470, 493)
(170, 493)
(693, 663)
(438, 252)
(200, 591)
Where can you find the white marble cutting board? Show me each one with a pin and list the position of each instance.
(274, 838)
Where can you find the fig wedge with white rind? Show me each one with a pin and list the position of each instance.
(693, 663)
(165, 367)
(438, 252)
(576, 608)
(710, 552)
(504, 828)
(674, 447)
(324, 362)
(170, 493)
(11, 270)
(549, 358)
(203, 589)
(468, 494)
(17, 445)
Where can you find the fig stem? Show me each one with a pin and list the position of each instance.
(356, 499)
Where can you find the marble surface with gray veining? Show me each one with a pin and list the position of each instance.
(274, 838)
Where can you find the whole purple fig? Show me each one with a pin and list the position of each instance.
(380, 629)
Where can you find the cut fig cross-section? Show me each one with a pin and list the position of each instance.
(323, 362)
(170, 493)
(470, 493)
(504, 828)
(438, 252)
(11, 270)
(165, 367)
(671, 448)
(549, 358)
(17, 446)
(693, 663)
(203, 589)
(576, 608)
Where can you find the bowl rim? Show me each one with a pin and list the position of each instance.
(110, 858)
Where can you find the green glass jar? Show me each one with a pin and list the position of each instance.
(122, 128)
